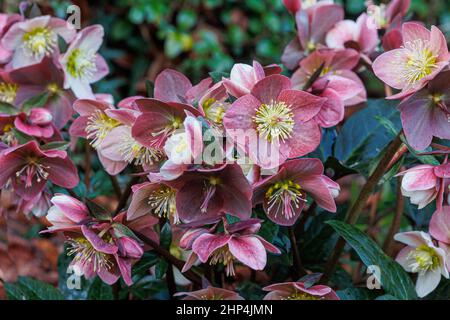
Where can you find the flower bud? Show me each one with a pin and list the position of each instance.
(40, 117)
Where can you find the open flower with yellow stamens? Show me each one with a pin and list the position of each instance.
(299, 291)
(33, 39)
(423, 55)
(421, 256)
(274, 122)
(81, 63)
(210, 293)
(284, 194)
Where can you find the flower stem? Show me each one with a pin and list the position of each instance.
(299, 270)
(355, 211)
(395, 226)
(126, 194)
(87, 165)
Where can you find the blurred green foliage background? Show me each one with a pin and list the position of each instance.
(198, 36)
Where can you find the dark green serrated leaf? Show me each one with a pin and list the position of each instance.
(217, 75)
(31, 289)
(161, 269)
(393, 278)
(100, 290)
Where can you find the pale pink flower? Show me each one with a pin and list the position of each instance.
(421, 256)
(210, 293)
(32, 40)
(423, 55)
(298, 291)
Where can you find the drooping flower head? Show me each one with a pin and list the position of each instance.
(238, 242)
(421, 256)
(33, 39)
(275, 118)
(81, 63)
(205, 194)
(284, 194)
(29, 167)
(423, 55)
(298, 291)
(38, 123)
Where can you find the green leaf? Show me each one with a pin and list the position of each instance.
(166, 236)
(161, 269)
(100, 290)
(217, 75)
(356, 294)
(364, 135)
(7, 108)
(98, 211)
(150, 88)
(56, 145)
(393, 278)
(36, 102)
(21, 137)
(31, 289)
(148, 260)
(121, 230)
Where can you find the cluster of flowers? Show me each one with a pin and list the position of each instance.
(209, 153)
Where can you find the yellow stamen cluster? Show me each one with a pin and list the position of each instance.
(162, 202)
(284, 196)
(298, 295)
(81, 64)
(40, 41)
(423, 259)
(8, 92)
(421, 61)
(214, 110)
(224, 256)
(85, 253)
(274, 121)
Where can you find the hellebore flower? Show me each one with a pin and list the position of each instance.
(204, 194)
(210, 293)
(298, 291)
(336, 83)
(29, 168)
(312, 25)
(357, 35)
(155, 198)
(284, 194)
(421, 256)
(14, 93)
(277, 118)
(387, 16)
(243, 77)
(7, 135)
(426, 113)
(66, 214)
(421, 184)
(37, 124)
(238, 242)
(47, 80)
(81, 63)
(158, 121)
(423, 55)
(119, 144)
(33, 39)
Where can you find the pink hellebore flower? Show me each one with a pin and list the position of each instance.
(81, 63)
(421, 184)
(421, 256)
(238, 242)
(277, 118)
(440, 226)
(14, 93)
(210, 293)
(38, 123)
(33, 39)
(204, 194)
(298, 291)
(426, 113)
(243, 77)
(155, 198)
(337, 83)
(66, 214)
(357, 35)
(284, 194)
(387, 16)
(423, 55)
(29, 168)
(312, 25)
(159, 121)
(46, 78)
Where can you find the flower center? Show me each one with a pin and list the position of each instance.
(274, 121)
(421, 60)
(53, 88)
(298, 295)
(214, 110)
(33, 169)
(133, 151)
(8, 92)
(162, 135)
(81, 64)
(423, 259)
(285, 197)
(223, 256)
(98, 126)
(40, 41)
(86, 255)
(162, 202)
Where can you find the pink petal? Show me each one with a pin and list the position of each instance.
(440, 225)
(171, 86)
(207, 243)
(98, 243)
(304, 105)
(249, 250)
(74, 209)
(268, 89)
